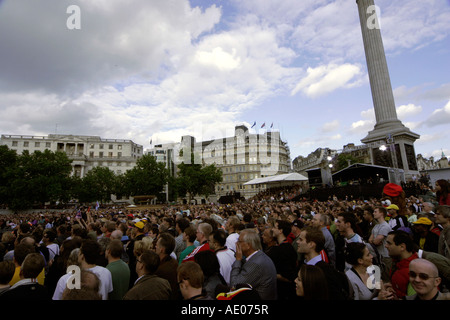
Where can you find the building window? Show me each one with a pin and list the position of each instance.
(48, 145)
(111, 147)
(91, 154)
(119, 147)
(110, 154)
(91, 146)
(25, 144)
(100, 146)
(37, 144)
(119, 154)
(100, 154)
(14, 143)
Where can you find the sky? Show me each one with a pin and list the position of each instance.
(155, 70)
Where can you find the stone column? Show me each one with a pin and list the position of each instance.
(380, 83)
(387, 122)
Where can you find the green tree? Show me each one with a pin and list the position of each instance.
(98, 184)
(344, 160)
(8, 161)
(38, 178)
(210, 175)
(194, 179)
(148, 177)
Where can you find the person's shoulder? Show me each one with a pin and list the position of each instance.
(28, 291)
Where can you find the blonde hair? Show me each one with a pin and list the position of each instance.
(140, 246)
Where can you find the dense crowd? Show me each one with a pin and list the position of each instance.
(267, 248)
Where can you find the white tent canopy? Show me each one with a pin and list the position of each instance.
(278, 179)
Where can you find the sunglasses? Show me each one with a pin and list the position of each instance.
(422, 276)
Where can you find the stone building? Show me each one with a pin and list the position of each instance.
(86, 152)
(242, 157)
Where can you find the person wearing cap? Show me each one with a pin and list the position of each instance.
(139, 234)
(423, 237)
(395, 194)
(396, 221)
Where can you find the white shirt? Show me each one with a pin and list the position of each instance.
(231, 241)
(248, 258)
(106, 285)
(61, 286)
(53, 250)
(226, 258)
(104, 275)
(314, 260)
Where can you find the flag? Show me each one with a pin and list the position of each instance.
(271, 126)
(263, 125)
(97, 206)
(151, 141)
(254, 124)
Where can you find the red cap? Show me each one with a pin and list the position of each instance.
(392, 190)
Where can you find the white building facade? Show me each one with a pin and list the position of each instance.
(86, 152)
(242, 157)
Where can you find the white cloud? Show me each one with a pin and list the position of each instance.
(328, 78)
(408, 110)
(364, 125)
(330, 31)
(439, 116)
(413, 24)
(117, 40)
(218, 58)
(330, 126)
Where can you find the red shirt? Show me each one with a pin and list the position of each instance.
(400, 277)
(200, 248)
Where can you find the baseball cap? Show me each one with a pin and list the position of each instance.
(393, 206)
(139, 225)
(424, 221)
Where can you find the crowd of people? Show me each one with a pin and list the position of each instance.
(262, 249)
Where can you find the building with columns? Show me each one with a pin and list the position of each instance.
(86, 152)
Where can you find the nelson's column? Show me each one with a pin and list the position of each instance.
(388, 129)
